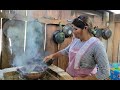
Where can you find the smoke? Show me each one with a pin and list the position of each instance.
(34, 48)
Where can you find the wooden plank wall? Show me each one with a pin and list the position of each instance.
(116, 42)
(110, 46)
(0, 41)
(116, 35)
(116, 39)
(51, 47)
(104, 24)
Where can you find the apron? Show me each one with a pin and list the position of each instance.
(82, 72)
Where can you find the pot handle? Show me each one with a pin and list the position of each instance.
(49, 62)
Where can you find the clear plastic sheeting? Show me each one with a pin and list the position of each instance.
(26, 41)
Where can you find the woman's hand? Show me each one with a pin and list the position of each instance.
(52, 56)
(47, 58)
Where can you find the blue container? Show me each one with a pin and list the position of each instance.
(115, 75)
(115, 65)
(115, 71)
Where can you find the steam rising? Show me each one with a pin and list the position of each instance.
(34, 48)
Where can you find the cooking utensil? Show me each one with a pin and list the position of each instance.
(58, 37)
(33, 75)
(37, 73)
(68, 30)
(106, 34)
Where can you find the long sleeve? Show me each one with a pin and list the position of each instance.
(102, 61)
(65, 51)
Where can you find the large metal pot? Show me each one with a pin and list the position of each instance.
(58, 37)
(37, 73)
(106, 34)
(33, 75)
(68, 30)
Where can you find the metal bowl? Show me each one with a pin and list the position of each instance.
(30, 75)
(33, 75)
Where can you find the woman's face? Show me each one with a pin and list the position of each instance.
(78, 32)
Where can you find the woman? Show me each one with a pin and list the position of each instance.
(85, 53)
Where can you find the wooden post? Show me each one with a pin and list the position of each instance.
(0, 41)
(118, 61)
(110, 40)
(105, 20)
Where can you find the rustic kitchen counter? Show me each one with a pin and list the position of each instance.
(53, 73)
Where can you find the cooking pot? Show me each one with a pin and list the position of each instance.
(37, 73)
(68, 30)
(106, 34)
(58, 36)
(98, 33)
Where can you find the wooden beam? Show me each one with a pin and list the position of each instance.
(59, 73)
(117, 18)
(105, 17)
(89, 12)
(56, 69)
(111, 39)
(64, 76)
(49, 76)
(0, 43)
(116, 40)
(26, 18)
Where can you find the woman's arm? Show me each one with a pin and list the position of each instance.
(58, 54)
(52, 56)
(102, 62)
